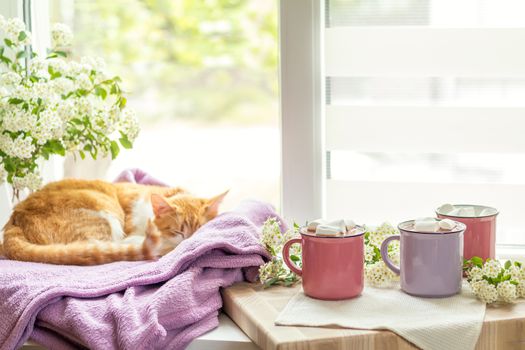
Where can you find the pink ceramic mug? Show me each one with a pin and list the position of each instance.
(480, 235)
(333, 267)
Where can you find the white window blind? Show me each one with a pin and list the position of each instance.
(424, 105)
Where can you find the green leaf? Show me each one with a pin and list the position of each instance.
(508, 264)
(5, 60)
(101, 92)
(22, 36)
(8, 42)
(122, 102)
(57, 147)
(517, 263)
(15, 101)
(114, 149)
(82, 154)
(514, 283)
(125, 142)
(294, 258)
(296, 226)
(20, 54)
(61, 53)
(9, 165)
(477, 261)
(270, 282)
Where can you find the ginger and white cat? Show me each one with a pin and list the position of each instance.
(83, 222)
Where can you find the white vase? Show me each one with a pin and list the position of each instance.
(6, 206)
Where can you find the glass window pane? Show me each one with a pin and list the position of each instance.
(203, 78)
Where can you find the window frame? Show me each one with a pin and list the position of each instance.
(301, 109)
(301, 73)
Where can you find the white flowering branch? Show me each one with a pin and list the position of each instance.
(275, 272)
(55, 106)
(493, 282)
(377, 274)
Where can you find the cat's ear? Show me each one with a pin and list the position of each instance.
(212, 207)
(159, 205)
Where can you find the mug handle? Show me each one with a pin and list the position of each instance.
(286, 256)
(384, 254)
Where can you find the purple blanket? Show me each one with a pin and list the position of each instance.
(161, 304)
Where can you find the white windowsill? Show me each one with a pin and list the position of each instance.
(225, 337)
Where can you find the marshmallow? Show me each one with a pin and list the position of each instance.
(338, 223)
(328, 230)
(487, 212)
(446, 208)
(312, 225)
(447, 224)
(426, 225)
(350, 224)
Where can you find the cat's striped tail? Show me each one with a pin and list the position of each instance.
(17, 247)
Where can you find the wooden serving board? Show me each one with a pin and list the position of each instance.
(254, 310)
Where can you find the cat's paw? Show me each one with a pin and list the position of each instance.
(152, 242)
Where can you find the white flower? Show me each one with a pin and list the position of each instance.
(38, 67)
(58, 65)
(520, 289)
(72, 145)
(3, 173)
(13, 27)
(369, 254)
(84, 107)
(32, 181)
(66, 110)
(10, 79)
(475, 274)
(49, 127)
(63, 85)
(83, 82)
(129, 124)
(491, 268)
(61, 35)
(44, 91)
(6, 143)
(507, 291)
(17, 119)
(378, 274)
(93, 63)
(271, 269)
(22, 147)
(486, 292)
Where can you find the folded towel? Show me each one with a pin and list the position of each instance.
(161, 304)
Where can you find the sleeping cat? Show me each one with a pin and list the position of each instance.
(83, 222)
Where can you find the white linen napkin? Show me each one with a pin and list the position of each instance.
(429, 323)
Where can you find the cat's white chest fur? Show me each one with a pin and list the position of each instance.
(141, 212)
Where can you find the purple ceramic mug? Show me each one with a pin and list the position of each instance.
(431, 262)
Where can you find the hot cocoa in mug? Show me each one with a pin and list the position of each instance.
(332, 267)
(431, 262)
